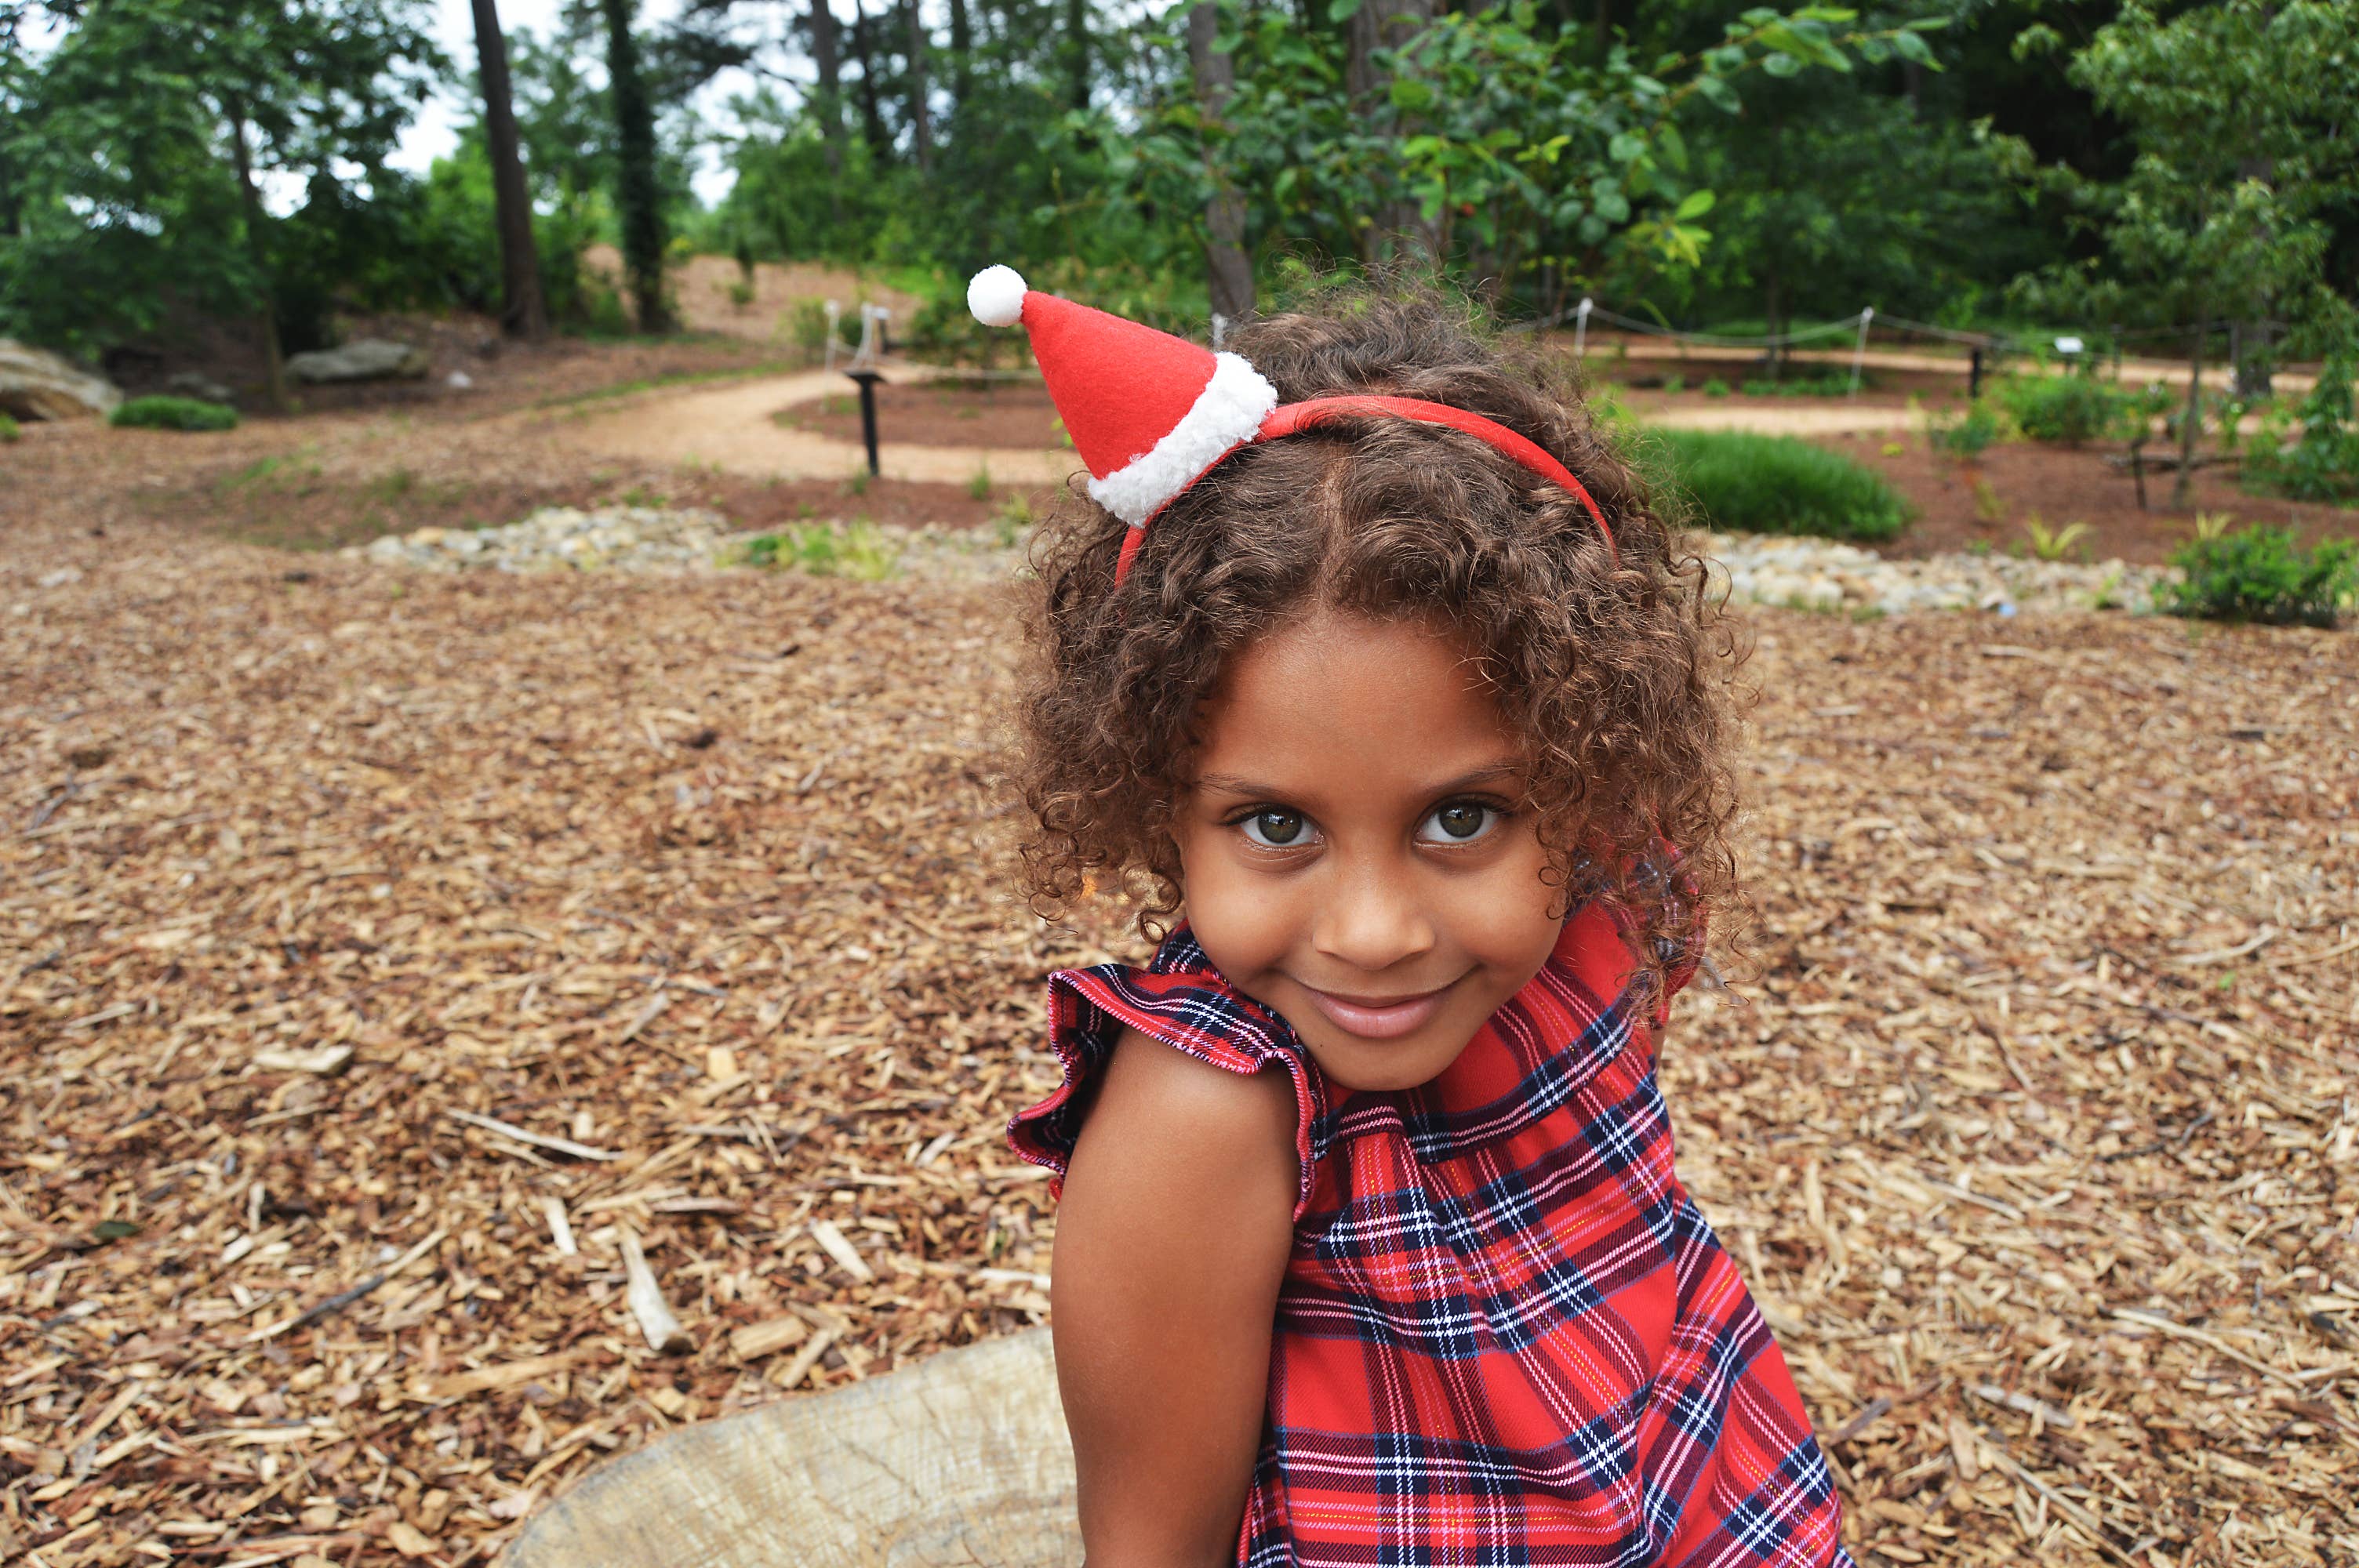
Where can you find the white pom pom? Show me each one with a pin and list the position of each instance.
(996, 297)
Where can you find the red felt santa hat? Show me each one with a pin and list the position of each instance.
(1151, 414)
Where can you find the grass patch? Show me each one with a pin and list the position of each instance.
(858, 550)
(1774, 484)
(173, 413)
(8, 431)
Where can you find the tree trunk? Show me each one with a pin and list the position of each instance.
(961, 55)
(274, 358)
(872, 114)
(921, 122)
(523, 312)
(2190, 422)
(1227, 267)
(1077, 52)
(1386, 25)
(638, 199)
(829, 99)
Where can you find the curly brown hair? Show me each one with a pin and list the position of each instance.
(1610, 661)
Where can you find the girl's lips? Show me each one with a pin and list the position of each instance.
(1377, 1020)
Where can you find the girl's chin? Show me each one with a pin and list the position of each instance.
(1388, 1067)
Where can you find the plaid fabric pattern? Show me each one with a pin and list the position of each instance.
(1507, 1335)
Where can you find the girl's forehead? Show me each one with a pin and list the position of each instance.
(1336, 696)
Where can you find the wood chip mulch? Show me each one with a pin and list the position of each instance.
(385, 959)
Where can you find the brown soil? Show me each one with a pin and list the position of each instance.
(1989, 502)
(956, 412)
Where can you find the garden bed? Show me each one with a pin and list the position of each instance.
(1009, 412)
(2034, 1133)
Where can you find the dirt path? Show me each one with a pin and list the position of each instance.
(730, 427)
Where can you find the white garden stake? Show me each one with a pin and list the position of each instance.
(1581, 327)
(834, 310)
(1866, 314)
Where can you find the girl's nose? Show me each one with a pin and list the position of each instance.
(1371, 920)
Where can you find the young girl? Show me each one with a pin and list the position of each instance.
(1373, 659)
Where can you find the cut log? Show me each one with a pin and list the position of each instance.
(961, 1458)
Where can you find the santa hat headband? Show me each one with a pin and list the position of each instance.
(1151, 414)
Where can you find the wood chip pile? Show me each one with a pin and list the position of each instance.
(459, 1028)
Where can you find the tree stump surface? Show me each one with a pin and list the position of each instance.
(961, 1460)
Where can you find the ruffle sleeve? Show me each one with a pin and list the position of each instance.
(1182, 1002)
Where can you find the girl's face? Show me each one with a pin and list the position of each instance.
(1353, 850)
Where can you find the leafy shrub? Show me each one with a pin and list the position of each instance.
(1966, 432)
(2069, 409)
(9, 431)
(173, 413)
(2259, 574)
(1715, 387)
(1775, 484)
(805, 326)
(2325, 464)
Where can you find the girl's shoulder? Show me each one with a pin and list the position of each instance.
(1180, 1001)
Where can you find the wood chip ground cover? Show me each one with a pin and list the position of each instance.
(2033, 1127)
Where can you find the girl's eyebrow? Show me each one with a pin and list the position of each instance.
(1230, 784)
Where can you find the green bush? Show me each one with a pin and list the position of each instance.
(2259, 574)
(9, 431)
(2325, 464)
(806, 327)
(860, 551)
(1833, 384)
(173, 413)
(1967, 432)
(1775, 484)
(2070, 410)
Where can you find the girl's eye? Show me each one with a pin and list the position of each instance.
(1273, 828)
(1460, 822)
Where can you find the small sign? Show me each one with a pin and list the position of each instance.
(2068, 345)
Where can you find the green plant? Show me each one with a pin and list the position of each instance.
(1978, 548)
(173, 413)
(856, 482)
(740, 293)
(1966, 432)
(805, 326)
(1014, 518)
(1675, 384)
(2211, 524)
(2259, 574)
(860, 550)
(2325, 464)
(2068, 409)
(1988, 507)
(1890, 450)
(2050, 543)
(1774, 484)
(1715, 387)
(979, 487)
(9, 431)
(1830, 386)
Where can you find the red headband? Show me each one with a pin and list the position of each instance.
(1292, 419)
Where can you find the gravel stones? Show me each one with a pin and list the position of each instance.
(1797, 573)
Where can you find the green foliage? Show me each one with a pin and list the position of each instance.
(173, 413)
(2259, 574)
(979, 487)
(2325, 464)
(2052, 544)
(1966, 432)
(1774, 484)
(1833, 383)
(857, 550)
(2070, 410)
(1715, 387)
(9, 434)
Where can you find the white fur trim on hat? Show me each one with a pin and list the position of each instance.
(1225, 414)
(996, 296)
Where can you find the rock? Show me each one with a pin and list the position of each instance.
(196, 383)
(458, 380)
(36, 384)
(368, 358)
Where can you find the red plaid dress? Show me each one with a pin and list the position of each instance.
(1506, 1335)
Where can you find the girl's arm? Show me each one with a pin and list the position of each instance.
(1172, 1237)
